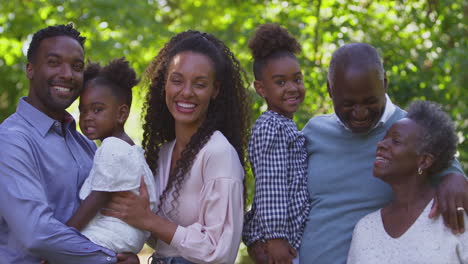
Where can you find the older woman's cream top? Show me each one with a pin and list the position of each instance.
(426, 241)
(210, 206)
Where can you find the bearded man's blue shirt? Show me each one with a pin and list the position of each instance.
(43, 164)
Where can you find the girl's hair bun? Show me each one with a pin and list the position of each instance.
(271, 38)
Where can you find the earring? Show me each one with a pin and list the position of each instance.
(420, 171)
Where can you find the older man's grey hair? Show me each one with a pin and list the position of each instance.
(355, 55)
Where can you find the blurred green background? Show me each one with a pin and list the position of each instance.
(424, 44)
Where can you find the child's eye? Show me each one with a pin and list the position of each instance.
(97, 110)
(299, 80)
(280, 83)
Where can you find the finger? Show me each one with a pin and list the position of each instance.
(143, 189)
(117, 206)
(451, 213)
(293, 252)
(122, 194)
(125, 199)
(435, 208)
(461, 214)
(270, 260)
(122, 256)
(111, 213)
(442, 208)
(461, 220)
(454, 222)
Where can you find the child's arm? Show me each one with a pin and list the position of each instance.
(95, 201)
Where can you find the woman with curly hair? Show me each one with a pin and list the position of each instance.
(274, 226)
(195, 134)
(413, 151)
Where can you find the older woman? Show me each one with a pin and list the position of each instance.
(413, 150)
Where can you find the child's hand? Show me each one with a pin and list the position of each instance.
(257, 252)
(280, 252)
(128, 258)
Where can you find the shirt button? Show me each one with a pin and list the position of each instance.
(109, 258)
(57, 124)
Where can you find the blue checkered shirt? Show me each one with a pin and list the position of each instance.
(281, 203)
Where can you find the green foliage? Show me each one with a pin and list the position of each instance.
(423, 43)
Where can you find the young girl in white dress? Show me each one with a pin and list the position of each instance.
(119, 164)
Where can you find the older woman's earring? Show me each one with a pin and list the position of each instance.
(420, 171)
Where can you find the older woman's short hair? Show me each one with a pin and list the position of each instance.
(437, 137)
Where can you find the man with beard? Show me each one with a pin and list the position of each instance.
(44, 160)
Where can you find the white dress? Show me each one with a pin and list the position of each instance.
(426, 241)
(117, 166)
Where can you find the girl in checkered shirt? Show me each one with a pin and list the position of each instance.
(273, 227)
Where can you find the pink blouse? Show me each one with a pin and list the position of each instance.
(210, 206)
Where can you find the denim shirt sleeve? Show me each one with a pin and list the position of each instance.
(31, 224)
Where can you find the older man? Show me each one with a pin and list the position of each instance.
(341, 151)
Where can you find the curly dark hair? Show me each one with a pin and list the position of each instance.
(53, 31)
(271, 41)
(227, 113)
(117, 75)
(437, 136)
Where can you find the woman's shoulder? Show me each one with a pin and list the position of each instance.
(218, 144)
(369, 220)
(219, 159)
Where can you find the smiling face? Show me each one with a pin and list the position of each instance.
(358, 98)
(282, 85)
(189, 88)
(396, 157)
(101, 114)
(56, 75)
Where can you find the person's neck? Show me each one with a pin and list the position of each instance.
(416, 192)
(123, 136)
(183, 135)
(58, 115)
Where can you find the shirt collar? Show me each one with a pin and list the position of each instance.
(388, 112)
(40, 121)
